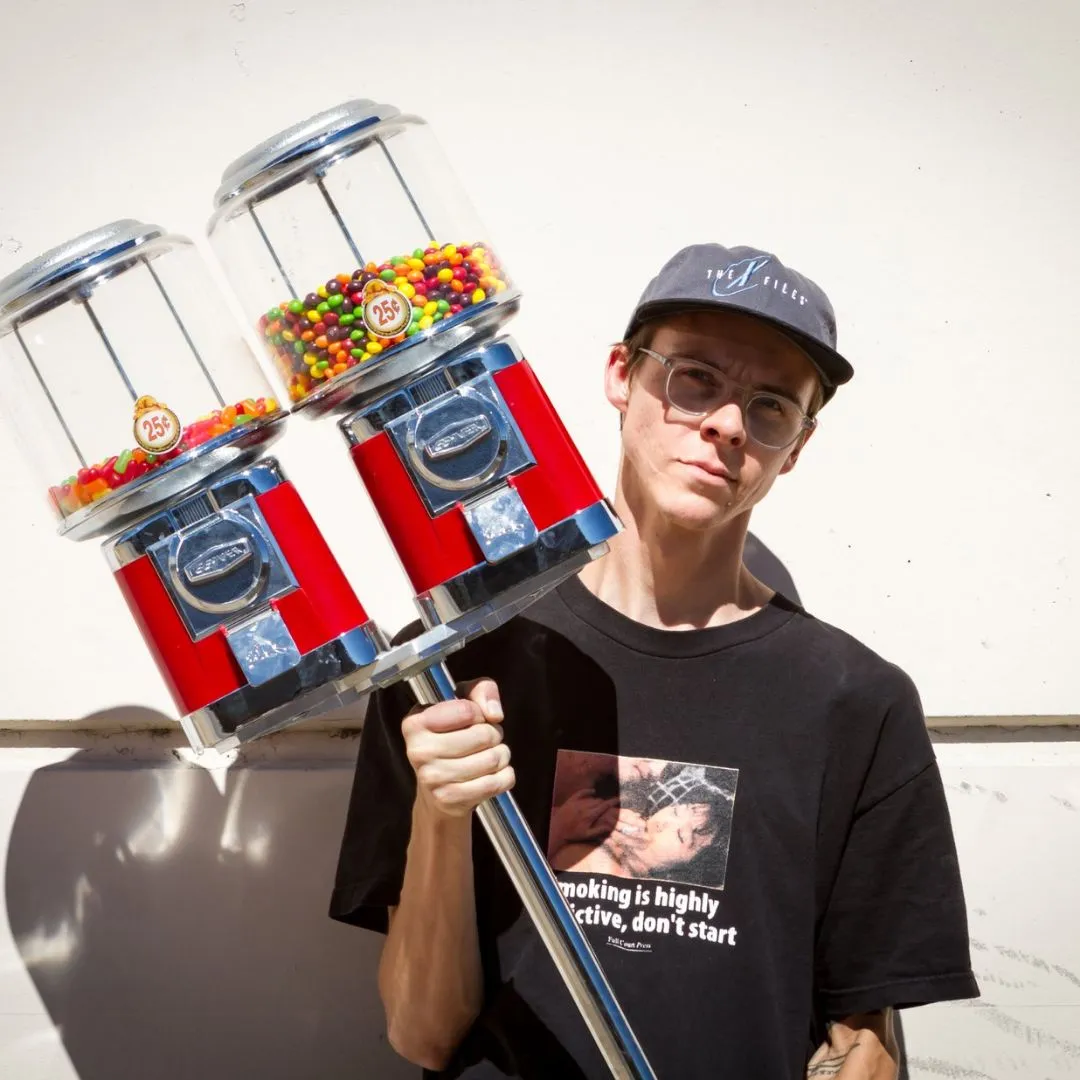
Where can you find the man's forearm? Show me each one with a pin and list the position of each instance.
(429, 974)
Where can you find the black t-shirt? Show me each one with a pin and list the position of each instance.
(748, 820)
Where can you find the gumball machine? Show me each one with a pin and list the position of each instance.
(381, 302)
(367, 273)
(147, 418)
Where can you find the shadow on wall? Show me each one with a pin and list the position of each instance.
(766, 567)
(174, 920)
(174, 930)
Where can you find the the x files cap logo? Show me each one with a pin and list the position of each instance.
(459, 441)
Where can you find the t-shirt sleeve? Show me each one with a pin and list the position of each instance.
(371, 865)
(894, 929)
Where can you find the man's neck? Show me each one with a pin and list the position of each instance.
(673, 578)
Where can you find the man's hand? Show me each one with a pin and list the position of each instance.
(457, 752)
(858, 1048)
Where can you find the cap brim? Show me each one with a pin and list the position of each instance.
(831, 366)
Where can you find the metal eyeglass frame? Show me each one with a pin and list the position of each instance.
(746, 393)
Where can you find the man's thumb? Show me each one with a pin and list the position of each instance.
(486, 694)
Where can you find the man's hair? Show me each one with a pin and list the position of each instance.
(642, 337)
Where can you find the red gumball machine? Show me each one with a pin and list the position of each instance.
(140, 403)
(387, 314)
(368, 274)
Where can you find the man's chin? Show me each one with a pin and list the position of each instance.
(695, 513)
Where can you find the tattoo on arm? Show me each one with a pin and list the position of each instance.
(830, 1066)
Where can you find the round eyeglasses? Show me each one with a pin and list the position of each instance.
(697, 389)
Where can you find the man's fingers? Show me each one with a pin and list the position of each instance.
(484, 693)
(461, 798)
(424, 746)
(448, 770)
(445, 716)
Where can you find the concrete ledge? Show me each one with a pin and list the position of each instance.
(135, 718)
(946, 723)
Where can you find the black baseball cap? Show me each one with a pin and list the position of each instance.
(753, 282)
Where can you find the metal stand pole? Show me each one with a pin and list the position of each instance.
(539, 891)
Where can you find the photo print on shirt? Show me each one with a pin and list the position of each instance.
(642, 818)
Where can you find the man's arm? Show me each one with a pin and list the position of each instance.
(893, 930)
(429, 971)
(430, 977)
(860, 1047)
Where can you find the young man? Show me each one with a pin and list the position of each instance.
(741, 802)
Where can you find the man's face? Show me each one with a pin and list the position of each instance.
(701, 472)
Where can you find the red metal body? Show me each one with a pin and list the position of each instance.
(434, 550)
(321, 608)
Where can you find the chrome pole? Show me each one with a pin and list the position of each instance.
(516, 846)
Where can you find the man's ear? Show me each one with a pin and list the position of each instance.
(617, 375)
(796, 450)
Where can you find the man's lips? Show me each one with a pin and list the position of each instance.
(710, 468)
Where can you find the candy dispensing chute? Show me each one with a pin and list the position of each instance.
(147, 418)
(371, 282)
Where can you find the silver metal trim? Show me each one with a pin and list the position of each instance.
(77, 281)
(495, 355)
(136, 540)
(263, 647)
(505, 454)
(333, 129)
(422, 450)
(460, 367)
(257, 479)
(255, 548)
(241, 522)
(71, 263)
(500, 523)
(315, 686)
(483, 584)
(357, 429)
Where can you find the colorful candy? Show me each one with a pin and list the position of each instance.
(96, 481)
(325, 334)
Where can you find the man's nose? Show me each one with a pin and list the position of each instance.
(726, 422)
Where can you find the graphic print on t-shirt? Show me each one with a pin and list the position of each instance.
(643, 818)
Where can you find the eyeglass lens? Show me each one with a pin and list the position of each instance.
(770, 419)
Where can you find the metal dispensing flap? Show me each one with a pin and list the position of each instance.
(37, 277)
(321, 130)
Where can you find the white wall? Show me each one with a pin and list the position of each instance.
(919, 159)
